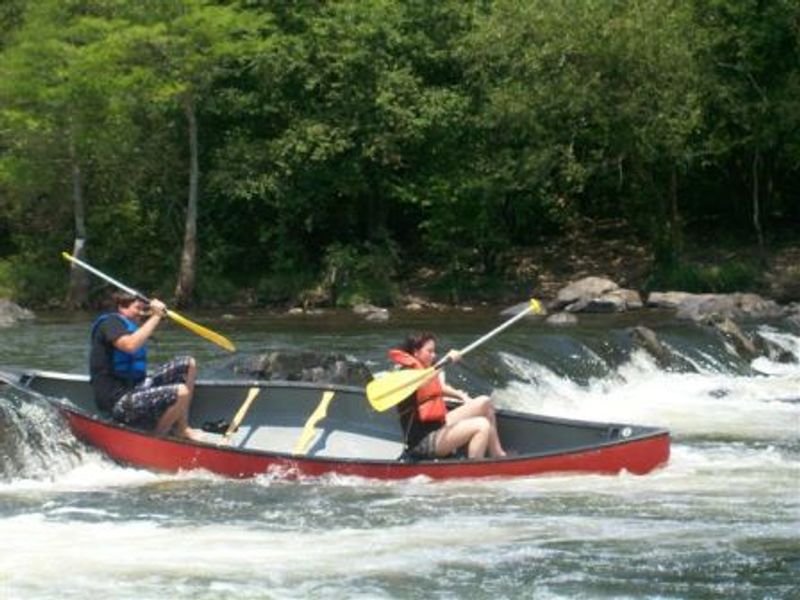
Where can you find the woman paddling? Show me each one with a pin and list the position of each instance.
(431, 431)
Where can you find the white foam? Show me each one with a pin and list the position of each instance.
(712, 403)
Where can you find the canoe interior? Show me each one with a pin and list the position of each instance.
(350, 430)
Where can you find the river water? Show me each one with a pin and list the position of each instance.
(722, 519)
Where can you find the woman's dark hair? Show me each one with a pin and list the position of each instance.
(415, 341)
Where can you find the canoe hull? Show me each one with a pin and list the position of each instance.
(543, 444)
(168, 454)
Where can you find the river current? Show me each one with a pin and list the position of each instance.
(722, 519)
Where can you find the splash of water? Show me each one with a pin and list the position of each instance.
(35, 440)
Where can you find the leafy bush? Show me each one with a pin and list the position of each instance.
(6, 280)
(354, 274)
(33, 283)
(725, 278)
(282, 286)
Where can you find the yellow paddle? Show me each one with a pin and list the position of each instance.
(237, 419)
(300, 446)
(391, 389)
(204, 332)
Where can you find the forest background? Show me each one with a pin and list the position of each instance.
(259, 152)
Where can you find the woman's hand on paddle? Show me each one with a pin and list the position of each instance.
(453, 356)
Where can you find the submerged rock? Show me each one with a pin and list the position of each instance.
(562, 320)
(318, 367)
(646, 338)
(743, 345)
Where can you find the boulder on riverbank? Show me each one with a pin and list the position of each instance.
(699, 307)
(595, 295)
(11, 313)
(371, 312)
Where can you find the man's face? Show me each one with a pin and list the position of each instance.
(134, 311)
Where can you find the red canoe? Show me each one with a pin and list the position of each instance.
(351, 439)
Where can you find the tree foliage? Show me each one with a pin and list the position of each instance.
(261, 148)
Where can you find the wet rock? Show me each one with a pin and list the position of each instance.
(772, 350)
(371, 313)
(562, 319)
(11, 313)
(743, 345)
(319, 367)
(793, 310)
(666, 299)
(646, 338)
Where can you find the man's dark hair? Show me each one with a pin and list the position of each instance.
(415, 341)
(123, 299)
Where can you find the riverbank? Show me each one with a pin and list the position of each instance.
(610, 250)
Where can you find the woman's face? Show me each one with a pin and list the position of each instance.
(426, 353)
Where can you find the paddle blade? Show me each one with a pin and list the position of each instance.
(301, 446)
(391, 389)
(211, 336)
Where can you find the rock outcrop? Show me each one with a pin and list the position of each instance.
(11, 313)
(699, 307)
(595, 295)
(319, 367)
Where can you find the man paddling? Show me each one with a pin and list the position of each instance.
(118, 370)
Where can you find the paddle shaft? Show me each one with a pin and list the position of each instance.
(108, 278)
(205, 332)
(391, 389)
(532, 305)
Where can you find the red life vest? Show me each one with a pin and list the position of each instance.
(429, 396)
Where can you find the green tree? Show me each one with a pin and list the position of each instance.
(750, 64)
(585, 108)
(175, 52)
(55, 110)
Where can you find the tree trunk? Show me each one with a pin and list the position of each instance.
(188, 267)
(676, 237)
(757, 207)
(78, 293)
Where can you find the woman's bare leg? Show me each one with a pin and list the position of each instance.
(480, 407)
(472, 432)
